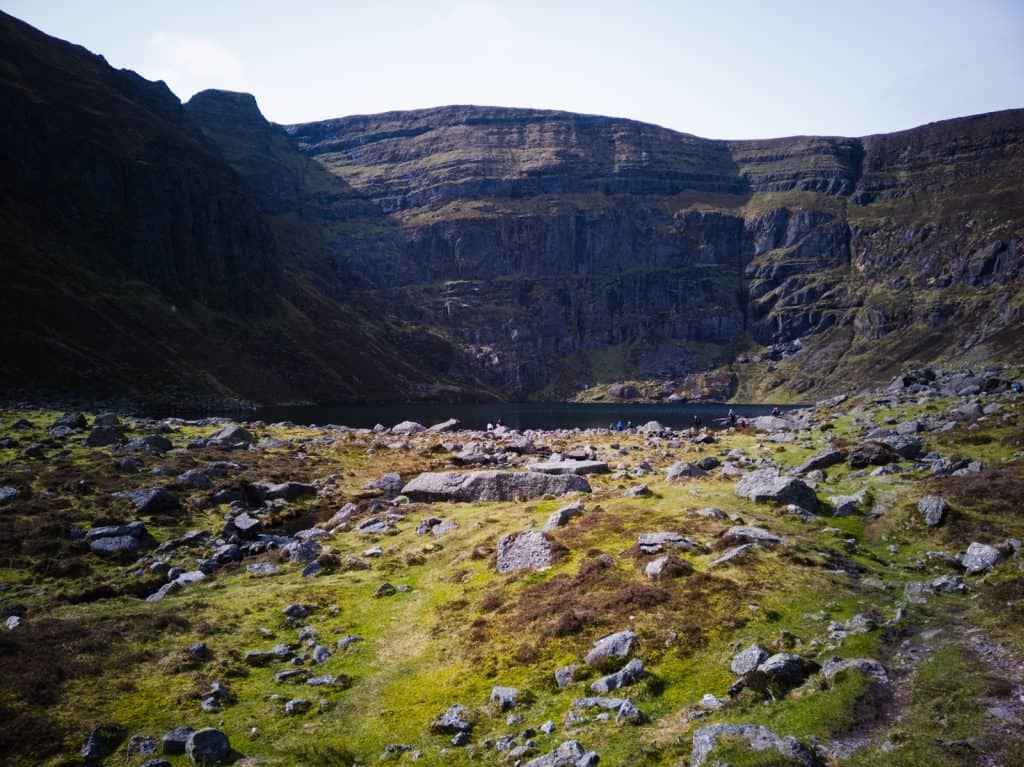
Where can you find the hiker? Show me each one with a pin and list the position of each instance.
(1018, 387)
(618, 426)
(697, 423)
(732, 418)
(629, 425)
(776, 412)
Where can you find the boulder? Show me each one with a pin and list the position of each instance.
(770, 424)
(567, 754)
(504, 698)
(456, 718)
(980, 557)
(232, 436)
(569, 467)
(656, 543)
(561, 517)
(617, 645)
(742, 534)
(784, 670)
(174, 742)
(765, 485)
(101, 436)
(868, 666)
(208, 746)
(152, 500)
(748, 660)
(667, 566)
(629, 674)
(529, 550)
(196, 478)
(452, 424)
(408, 427)
(287, 491)
(684, 470)
(389, 484)
(822, 460)
(476, 486)
(115, 546)
(934, 510)
(871, 454)
(7, 494)
(757, 738)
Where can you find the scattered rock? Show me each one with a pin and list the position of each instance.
(741, 534)
(684, 470)
(980, 557)
(174, 742)
(232, 436)
(504, 697)
(656, 543)
(569, 467)
(561, 517)
(869, 666)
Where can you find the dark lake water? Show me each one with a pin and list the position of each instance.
(529, 415)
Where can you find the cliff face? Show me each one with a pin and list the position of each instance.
(641, 252)
(477, 251)
(138, 261)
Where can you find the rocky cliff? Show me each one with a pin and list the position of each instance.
(481, 251)
(606, 249)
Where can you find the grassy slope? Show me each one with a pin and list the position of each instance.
(461, 629)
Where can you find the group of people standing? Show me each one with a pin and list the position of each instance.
(732, 420)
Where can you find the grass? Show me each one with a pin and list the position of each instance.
(457, 629)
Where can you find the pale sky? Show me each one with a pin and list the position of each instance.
(716, 68)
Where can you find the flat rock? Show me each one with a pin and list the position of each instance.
(684, 470)
(529, 550)
(232, 436)
(869, 666)
(741, 534)
(569, 467)
(658, 542)
(822, 460)
(475, 486)
(408, 427)
(567, 754)
(757, 737)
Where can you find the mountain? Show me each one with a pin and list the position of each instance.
(139, 262)
(155, 248)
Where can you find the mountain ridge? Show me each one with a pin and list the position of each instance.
(466, 252)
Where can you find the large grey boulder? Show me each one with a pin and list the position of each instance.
(934, 510)
(684, 469)
(408, 427)
(389, 484)
(784, 669)
(232, 436)
(748, 660)
(980, 557)
(569, 467)
(765, 485)
(757, 737)
(152, 500)
(619, 644)
(475, 486)
(529, 550)
(629, 674)
(208, 746)
(115, 546)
